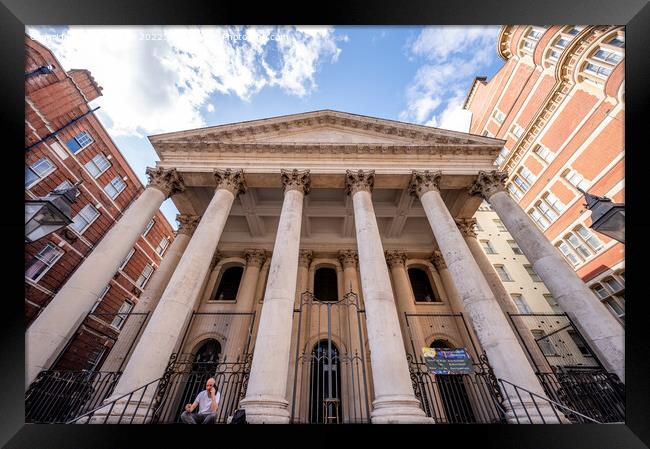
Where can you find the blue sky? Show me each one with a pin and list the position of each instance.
(163, 79)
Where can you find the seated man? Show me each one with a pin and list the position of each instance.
(207, 401)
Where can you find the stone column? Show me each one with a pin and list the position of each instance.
(49, 333)
(238, 343)
(413, 340)
(600, 328)
(265, 400)
(466, 227)
(394, 401)
(497, 339)
(149, 298)
(160, 337)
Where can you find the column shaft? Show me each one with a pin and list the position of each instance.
(395, 401)
(129, 334)
(48, 334)
(265, 400)
(576, 299)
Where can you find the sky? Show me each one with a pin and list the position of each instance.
(164, 79)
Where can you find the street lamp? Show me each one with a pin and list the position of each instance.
(49, 213)
(606, 217)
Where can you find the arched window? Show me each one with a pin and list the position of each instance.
(229, 284)
(325, 284)
(421, 286)
(441, 343)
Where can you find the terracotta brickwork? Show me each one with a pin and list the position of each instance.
(566, 96)
(57, 102)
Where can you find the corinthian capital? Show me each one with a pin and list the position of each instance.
(255, 257)
(187, 223)
(467, 226)
(395, 258)
(489, 183)
(304, 257)
(359, 180)
(232, 180)
(296, 180)
(424, 181)
(438, 261)
(348, 258)
(169, 182)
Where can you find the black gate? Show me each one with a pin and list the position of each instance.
(451, 398)
(330, 381)
(576, 378)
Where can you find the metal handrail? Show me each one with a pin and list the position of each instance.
(550, 401)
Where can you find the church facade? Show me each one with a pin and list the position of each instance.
(317, 255)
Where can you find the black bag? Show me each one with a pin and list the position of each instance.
(239, 417)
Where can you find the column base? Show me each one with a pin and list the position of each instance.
(266, 410)
(398, 410)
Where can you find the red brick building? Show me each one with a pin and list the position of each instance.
(66, 143)
(558, 101)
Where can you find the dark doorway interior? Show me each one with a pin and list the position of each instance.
(325, 284)
(455, 400)
(325, 385)
(229, 284)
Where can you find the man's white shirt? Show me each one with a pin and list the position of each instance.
(205, 403)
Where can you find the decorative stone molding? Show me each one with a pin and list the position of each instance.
(348, 258)
(296, 180)
(489, 183)
(467, 226)
(395, 258)
(359, 180)
(305, 257)
(438, 261)
(187, 223)
(255, 257)
(231, 180)
(424, 181)
(169, 182)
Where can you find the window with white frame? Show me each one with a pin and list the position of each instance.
(502, 156)
(487, 247)
(567, 253)
(162, 246)
(549, 214)
(514, 247)
(499, 116)
(554, 54)
(84, 218)
(37, 171)
(531, 272)
(127, 258)
(79, 142)
(101, 297)
(115, 187)
(515, 192)
(521, 303)
(554, 202)
(97, 165)
(95, 358)
(517, 131)
(499, 224)
(526, 174)
(587, 236)
(610, 57)
(603, 59)
(539, 219)
(552, 302)
(503, 274)
(144, 277)
(149, 226)
(43, 261)
(544, 153)
(575, 179)
(122, 314)
(578, 245)
(561, 43)
(611, 292)
(617, 41)
(598, 70)
(66, 185)
(580, 343)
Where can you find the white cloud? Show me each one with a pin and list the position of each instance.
(454, 55)
(158, 79)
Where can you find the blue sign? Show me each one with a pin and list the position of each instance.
(447, 361)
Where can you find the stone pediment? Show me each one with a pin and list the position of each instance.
(320, 129)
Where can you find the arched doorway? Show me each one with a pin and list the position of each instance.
(325, 389)
(325, 284)
(229, 284)
(421, 286)
(204, 366)
(454, 396)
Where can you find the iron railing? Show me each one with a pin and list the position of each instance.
(58, 396)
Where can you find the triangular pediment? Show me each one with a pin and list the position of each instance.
(325, 127)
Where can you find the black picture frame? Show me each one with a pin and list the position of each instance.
(635, 14)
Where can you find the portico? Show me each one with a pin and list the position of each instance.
(375, 201)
